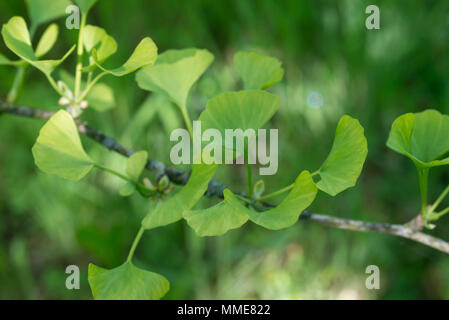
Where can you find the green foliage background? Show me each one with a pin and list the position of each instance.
(47, 223)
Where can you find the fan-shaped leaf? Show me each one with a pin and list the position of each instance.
(175, 72)
(345, 161)
(288, 211)
(258, 71)
(135, 165)
(134, 168)
(126, 282)
(42, 11)
(217, 220)
(423, 137)
(127, 189)
(17, 39)
(101, 97)
(172, 210)
(47, 40)
(144, 55)
(239, 110)
(58, 149)
(96, 37)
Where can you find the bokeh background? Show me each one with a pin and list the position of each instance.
(374, 75)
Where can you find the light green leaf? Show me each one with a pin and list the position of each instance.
(288, 211)
(47, 40)
(6, 62)
(217, 220)
(144, 55)
(85, 5)
(172, 209)
(58, 149)
(127, 189)
(175, 73)
(258, 71)
(17, 39)
(344, 163)
(126, 282)
(42, 11)
(96, 37)
(135, 165)
(423, 137)
(101, 97)
(239, 110)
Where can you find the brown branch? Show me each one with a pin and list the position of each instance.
(411, 230)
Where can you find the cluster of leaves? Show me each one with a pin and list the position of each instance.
(58, 149)
(172, 74)
(422, 137)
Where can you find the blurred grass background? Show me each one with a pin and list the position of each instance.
(374, 75)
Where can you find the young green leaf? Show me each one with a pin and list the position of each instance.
(258, 71)
(172, 210)
(144, 55)
(134, 168)
(344, 163)
(17, 39)
(47, 40)
(101, 97)
(85, 5)
(174, 73)
(58, 149)
(288, 211)
(126, 282)
(42, 11)
(258, 189)
(127, 189)
(423, 137)
(96, 37)
(135, 165)
(239, 110)
(217, 220)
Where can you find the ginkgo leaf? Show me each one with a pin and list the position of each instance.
(100, 97)
(85, 5)
(241, 111)
(42, 11)
(423, 137)
(135, 165)
(126, 282)
(6, 62)
(217, 220)
(258, 71)
(127, 189)
(144, 55)
(172, 209)
(17, 39)
(288, 211)
(58, 149)
(47, 40)
(344, 163)
(175, 73)
(96, 37)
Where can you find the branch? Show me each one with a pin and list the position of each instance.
(410, 230)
